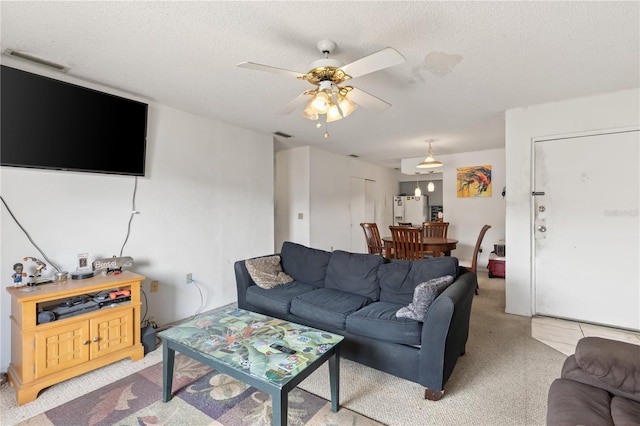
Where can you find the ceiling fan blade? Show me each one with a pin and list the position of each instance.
(267, 68)
(367, 100)
(295, 103)
(384, 58)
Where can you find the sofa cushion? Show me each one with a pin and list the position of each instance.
(399, 278)
(267, 272)
(393, 288)
(304, 264)
(572, 370)
(423, 297)
(354, 272)
(276, 300)
(615, 364)
(328, 306)
(625, 411)
(571, 403)
(378, 321)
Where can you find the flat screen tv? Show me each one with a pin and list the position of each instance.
(51, 124)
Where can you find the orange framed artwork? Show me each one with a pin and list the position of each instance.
(473, 181)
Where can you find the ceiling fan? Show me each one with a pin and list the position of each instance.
(329, 96)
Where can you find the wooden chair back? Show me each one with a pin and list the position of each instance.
(407, 242)
(435, 229)
(476, 249)
(372, 235)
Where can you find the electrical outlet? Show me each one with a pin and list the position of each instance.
(189, 278)
(154, 286)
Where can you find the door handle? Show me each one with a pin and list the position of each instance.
(542, 228)
(95, 339)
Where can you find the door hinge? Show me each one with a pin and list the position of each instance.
(534, 193)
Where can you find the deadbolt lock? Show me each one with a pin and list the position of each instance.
(541, 209)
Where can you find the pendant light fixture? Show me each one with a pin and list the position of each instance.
(429, 162)
(431, 187)
(418, 191)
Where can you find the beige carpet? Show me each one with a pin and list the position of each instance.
(502, 380)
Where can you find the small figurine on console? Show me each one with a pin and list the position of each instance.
(40, 266)
(18, 274)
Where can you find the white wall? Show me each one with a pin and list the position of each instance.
(206, 201)
(292, 197)
(608, 111)
(327, 195)
(467, 216)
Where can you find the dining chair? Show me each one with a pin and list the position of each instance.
(407, 242)
(471, 264)
(372, 235)
(435, 229)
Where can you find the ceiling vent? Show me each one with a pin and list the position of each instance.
(282, 135)
(35, 59)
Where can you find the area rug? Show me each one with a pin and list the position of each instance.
(201, 396)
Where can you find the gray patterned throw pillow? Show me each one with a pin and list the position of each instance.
(423, 296)
(267, 271)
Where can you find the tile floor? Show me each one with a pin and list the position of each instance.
(563, 335)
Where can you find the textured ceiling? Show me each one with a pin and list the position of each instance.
(467, 62)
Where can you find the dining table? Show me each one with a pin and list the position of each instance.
(437, 245)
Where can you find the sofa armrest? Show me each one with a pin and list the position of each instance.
(608, 364)
(445, 331)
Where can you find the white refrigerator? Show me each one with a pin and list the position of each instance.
(407, 208)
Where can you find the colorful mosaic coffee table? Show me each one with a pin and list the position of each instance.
(269, 354)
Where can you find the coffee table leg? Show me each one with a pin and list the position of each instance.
(168, 356)
(334, 380)
(279, 402)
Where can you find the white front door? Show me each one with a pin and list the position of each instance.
(586, 228)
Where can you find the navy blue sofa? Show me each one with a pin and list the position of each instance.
(357, 296)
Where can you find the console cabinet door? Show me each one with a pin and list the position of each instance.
(111, 332)
(61, 348)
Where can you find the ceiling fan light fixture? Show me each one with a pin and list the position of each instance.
(326, 74)
(321, 103)
(429, 162)
(346, 105)
(309, 113)
(333, 114)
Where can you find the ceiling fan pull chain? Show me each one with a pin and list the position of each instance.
(326, 128)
